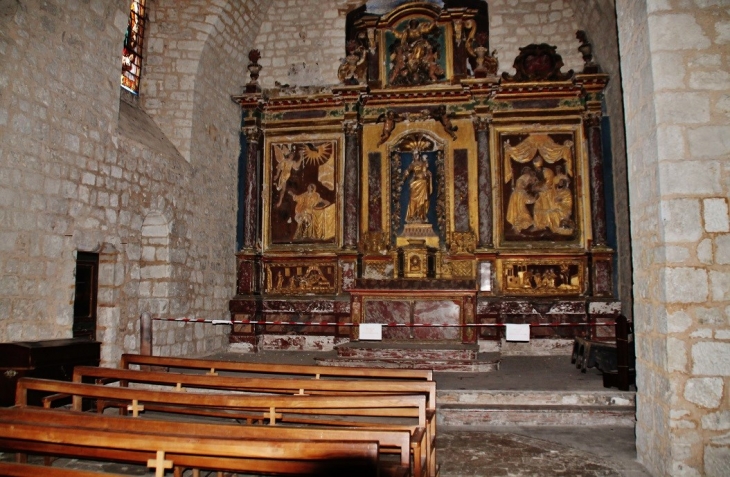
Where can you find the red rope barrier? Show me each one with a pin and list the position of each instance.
(393, 325)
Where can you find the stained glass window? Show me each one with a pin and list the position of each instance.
(133, 44)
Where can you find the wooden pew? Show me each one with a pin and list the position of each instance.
(359, 411)
(297, 386)
(146, 445)
(213, 366)
(9, 469)
(395, 439)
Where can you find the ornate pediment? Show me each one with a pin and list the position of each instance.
(538, 63)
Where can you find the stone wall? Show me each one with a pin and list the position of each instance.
(598, 20)
(678, 125)
(517, 23)
(154, 194)
(302, 42)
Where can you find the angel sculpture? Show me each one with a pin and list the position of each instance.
(440, 115)
(287, 160)
(389, 120)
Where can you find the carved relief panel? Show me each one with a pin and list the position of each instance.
(542, 276)
(538, 191)
(302, 277)
(302, 205)
(415, 52)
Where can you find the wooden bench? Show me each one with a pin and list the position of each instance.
(296, 386)
(393, 439)
(214, 366)
(380, 412)
(9, 469)
(144, 445)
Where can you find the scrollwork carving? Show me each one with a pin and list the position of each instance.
(353, 69)
(351, 127)
(374, 243)
(538, 63)
(462, 242)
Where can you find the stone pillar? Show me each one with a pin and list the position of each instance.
(352, 179)
(252, 198)
(484, 171)
(592, 125)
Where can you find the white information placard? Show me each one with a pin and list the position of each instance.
(517, 332)
(371, 331)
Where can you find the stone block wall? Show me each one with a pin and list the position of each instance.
(676, 65)
(80, 170)
(517, 23)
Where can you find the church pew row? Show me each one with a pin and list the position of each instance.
(371, 412)
(146, 446)
(317, 372)
(11, 469)
(398, 440)
(297, 386)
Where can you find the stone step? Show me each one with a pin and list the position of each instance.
(489, 397)
(475, 416)
(456, 366)
(410, 350)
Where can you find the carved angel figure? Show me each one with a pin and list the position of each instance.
(440, 115)
(389, 120)
(287, 160)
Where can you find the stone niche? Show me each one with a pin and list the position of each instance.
(425, 189)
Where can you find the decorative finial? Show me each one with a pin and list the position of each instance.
(586, 49)
(253, 68)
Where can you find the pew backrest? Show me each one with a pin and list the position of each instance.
(17, 434)
(261, 385)
(312, 371)
(407, 406)
(387, 439)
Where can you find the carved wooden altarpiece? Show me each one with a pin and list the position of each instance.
(425, 189)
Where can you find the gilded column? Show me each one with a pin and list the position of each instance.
(592, 124)
(252, 194)
(352, 174)
(484, 171)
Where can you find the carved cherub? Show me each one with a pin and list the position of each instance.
(440, 115)
(389, 120)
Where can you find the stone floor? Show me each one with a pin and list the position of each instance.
(507, 451)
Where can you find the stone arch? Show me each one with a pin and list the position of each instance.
(175, 85)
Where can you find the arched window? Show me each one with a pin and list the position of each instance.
(133, 44)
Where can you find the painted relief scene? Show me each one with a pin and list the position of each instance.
(547, 278)
(539, 188)
(415, 53)
(297, 278)
(303, 192)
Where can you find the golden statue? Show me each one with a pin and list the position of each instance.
(517, 212)
(315, 216)
(554, 205)
(420, 189)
